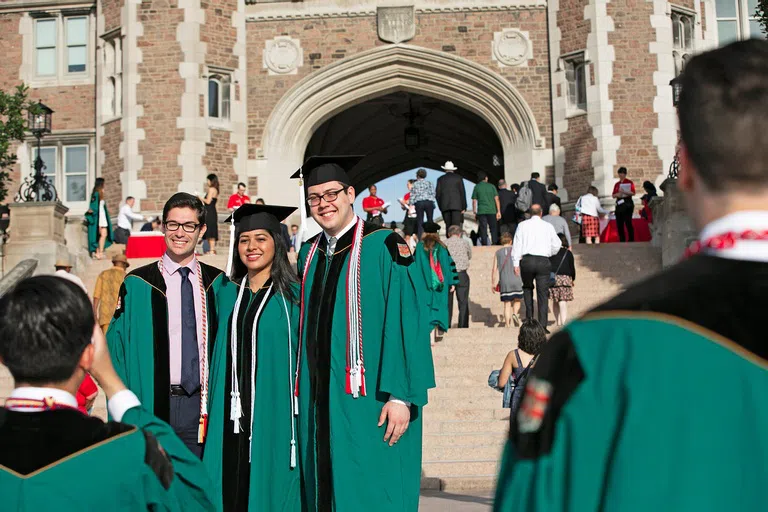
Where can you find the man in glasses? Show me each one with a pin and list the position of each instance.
(365, 359)
(165, 323)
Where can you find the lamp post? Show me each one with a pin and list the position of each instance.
(677, 87)
(36, 186)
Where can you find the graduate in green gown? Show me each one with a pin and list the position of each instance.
(366, 363)
(140, 334)
(251, 451)
(433, 263)
(99, 237)
(52, 456)
(656, 400)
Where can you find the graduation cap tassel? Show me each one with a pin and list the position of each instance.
(253, 360)
(235, 407)
(231, 245)
(294, 402)
(293, 453)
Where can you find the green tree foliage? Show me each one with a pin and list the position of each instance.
(13, 122)
(762, 14)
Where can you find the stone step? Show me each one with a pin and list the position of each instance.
(459, 483)
(471, 402)
(469, 439)
(445, 427)
(435, 414)
(457, 452)
(464, 396)
(448, 468)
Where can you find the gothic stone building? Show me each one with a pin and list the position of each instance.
(153, 95)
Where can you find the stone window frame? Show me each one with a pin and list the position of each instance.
(683, 36)
(744, 20)
(62, 77)
(224, 78)
(111, 55)
(60, 143)
(577, 65)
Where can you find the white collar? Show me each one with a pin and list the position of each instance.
(31, 393)
(343, 231)
(736, 222)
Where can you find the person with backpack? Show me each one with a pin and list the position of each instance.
(537, 194)
(518, 363)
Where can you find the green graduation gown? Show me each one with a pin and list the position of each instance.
(138, 334)
(346, 464)
(654, 401)
(92, 220)
(267, 482)
(66, 461)
(436, 297)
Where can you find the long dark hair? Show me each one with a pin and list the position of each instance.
(430, 240)
(214, 181)
(282, 273)
(98, 188)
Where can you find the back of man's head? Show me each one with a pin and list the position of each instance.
(454, 230)
(502, 184)
(45, 324)
(554, 209)
(536, 210)
(481, 176)
(535, 176)
(723, 113)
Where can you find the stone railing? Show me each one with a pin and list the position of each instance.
(21, 271)
(672, 229)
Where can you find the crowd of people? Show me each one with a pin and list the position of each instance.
(335, 352)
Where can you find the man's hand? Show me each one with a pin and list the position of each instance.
(452, 289)
(397, 417)
(498, 216)
(101, 369)
(517, 271)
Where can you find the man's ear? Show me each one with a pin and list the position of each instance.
(86, 358)
(351, 194)
(203, 229)
(686, 173)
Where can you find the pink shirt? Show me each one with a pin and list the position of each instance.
(173, 296)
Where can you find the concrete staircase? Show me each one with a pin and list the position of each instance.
(464, 425)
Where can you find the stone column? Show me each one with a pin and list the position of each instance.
(673, 226)
(37, 231)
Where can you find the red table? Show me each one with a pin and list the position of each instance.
(611, 232)
(149, 245)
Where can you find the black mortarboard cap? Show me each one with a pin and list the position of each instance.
(431, 227)
(322, 169)
(260, 216)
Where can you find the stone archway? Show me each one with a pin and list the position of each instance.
(385, 70)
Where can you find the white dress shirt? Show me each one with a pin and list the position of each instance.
(332, 240)
(126, 216)
(118, 405)
(590, 205)
(71, 277)
(746, 250)
(534, 237)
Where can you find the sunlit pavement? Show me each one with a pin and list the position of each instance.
(436, 501)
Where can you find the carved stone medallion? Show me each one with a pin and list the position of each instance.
(511, 47)
(283, 56)
(396, 24)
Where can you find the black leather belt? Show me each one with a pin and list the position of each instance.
(178, 391)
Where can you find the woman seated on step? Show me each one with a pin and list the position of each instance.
(520, 360)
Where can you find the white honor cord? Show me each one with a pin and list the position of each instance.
(294, 403)
(235, 407)
(231, 245)
(253, 363)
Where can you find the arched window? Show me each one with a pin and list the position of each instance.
(682, 39)
(219, 97)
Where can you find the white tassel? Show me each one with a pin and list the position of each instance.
(293, 453)
(231, 245)
(235, 411)
(295, 406)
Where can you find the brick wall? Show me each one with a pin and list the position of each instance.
(10, 49)
(111, 10)
(574, 29)
(113, 164)
(327, 40)
(159, 92)
(632, 90)
(218, 33)
(219, 160)
(579, 143)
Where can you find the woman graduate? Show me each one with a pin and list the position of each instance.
(250, 449)
(433, 262)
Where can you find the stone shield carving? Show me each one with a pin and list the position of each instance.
(511, 47)
(283, 55)
(396, 24)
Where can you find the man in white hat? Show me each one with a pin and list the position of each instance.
(451, 196)
(108, 289)
(63, 268)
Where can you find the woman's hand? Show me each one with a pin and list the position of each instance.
(493, 288)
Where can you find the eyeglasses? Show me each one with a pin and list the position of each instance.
(330, 196)
(188, 227)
